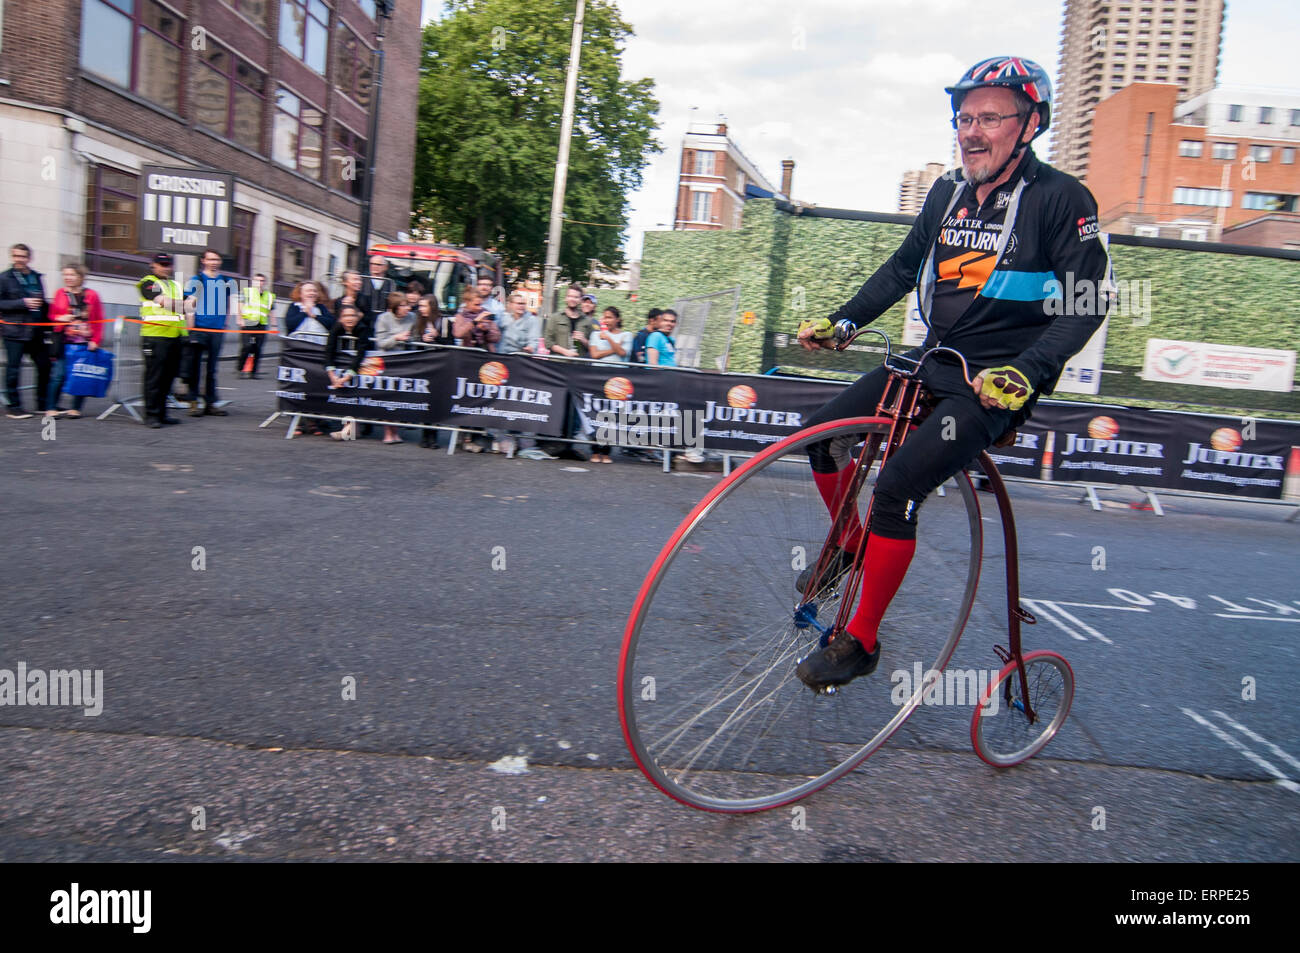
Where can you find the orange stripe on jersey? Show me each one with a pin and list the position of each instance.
(969, 269)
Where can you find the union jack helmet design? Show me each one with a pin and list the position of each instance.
(1012, 72)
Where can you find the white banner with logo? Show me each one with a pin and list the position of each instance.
(1219, 365)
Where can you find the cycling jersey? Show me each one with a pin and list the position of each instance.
(1030, 297)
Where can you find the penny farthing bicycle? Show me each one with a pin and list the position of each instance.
(709, 702)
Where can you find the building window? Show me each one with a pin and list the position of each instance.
(1261, 153)
(352, 61)
(294, 248)
(368, 8)
(1146, 231)
(229, 96)
(135, 45)
(1235, 112)
(111, 237)
(240, 260)
(297, 139)
(1266, 114)
(1193, 234)
(347, 161)
(1223, 150)
(1219, 198)
(1269, 201)
(1288, 156)
(1295, 117)
(304, 31)
(254, 10)
(1191, 148)
(704, 163)
(700, 206)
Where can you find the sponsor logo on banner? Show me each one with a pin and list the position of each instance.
(1227, 462)
(1219, 365)
(1115, 447)
(618, 388)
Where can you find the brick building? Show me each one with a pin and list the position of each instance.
(276, 92)
(1109, 44)
(715, 179)
(1191, 171)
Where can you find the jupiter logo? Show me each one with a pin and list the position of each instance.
(372, 366)
(1103, 428)
(742, 396)
(1226, 439)
(493, 372)
(618, 388)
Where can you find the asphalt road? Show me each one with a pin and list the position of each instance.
(232, 586)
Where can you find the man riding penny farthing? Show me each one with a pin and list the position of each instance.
(988, 250)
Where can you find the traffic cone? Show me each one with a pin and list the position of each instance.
(1049, 456)
(248, 364)
(1291, 485)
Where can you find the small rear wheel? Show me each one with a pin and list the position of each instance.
(1000, 729)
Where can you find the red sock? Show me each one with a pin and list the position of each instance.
(832, 487)
(884, 567)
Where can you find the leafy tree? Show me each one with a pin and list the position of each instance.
(491, 100)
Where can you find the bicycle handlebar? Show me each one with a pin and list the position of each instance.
(846, 332)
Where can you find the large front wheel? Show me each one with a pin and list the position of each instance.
(710, 705)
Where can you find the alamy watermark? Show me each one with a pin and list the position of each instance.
(1087, 296)
(956, 686)
(683, 428)
(74, 688)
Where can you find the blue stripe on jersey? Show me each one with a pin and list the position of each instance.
(1022, 286)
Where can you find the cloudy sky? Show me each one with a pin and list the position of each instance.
(852, 90)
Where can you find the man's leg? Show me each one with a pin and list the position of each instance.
(955, 432)
(170, 368)
(155, 399)
(40, 354)
(256, 345)
(213, 354)
(13, 371)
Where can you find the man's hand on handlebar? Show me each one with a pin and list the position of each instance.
(818, 333)
(1003, 387)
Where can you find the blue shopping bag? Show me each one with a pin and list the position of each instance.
(89, 372)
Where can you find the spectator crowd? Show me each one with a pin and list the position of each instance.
(183, 332)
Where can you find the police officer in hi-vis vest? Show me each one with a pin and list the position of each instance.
(162, 335)
(254, 312)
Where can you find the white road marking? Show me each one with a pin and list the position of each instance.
(1232, 742)
(1256, 738)
(1039, 609)
(1253, 618)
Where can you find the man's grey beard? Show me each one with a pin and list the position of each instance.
(977, 178)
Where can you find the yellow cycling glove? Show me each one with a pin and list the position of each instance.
(1008, 386)
(823, 330)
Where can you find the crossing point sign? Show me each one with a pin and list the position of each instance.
(185, 210)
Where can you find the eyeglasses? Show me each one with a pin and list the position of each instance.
(986, 121)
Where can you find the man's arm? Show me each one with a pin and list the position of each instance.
(1080, 261)
(15, 304)
(897, 276)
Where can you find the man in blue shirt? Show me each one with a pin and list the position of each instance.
(212, 296)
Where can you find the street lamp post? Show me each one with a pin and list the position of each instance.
(383, 11)
(562, 168)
